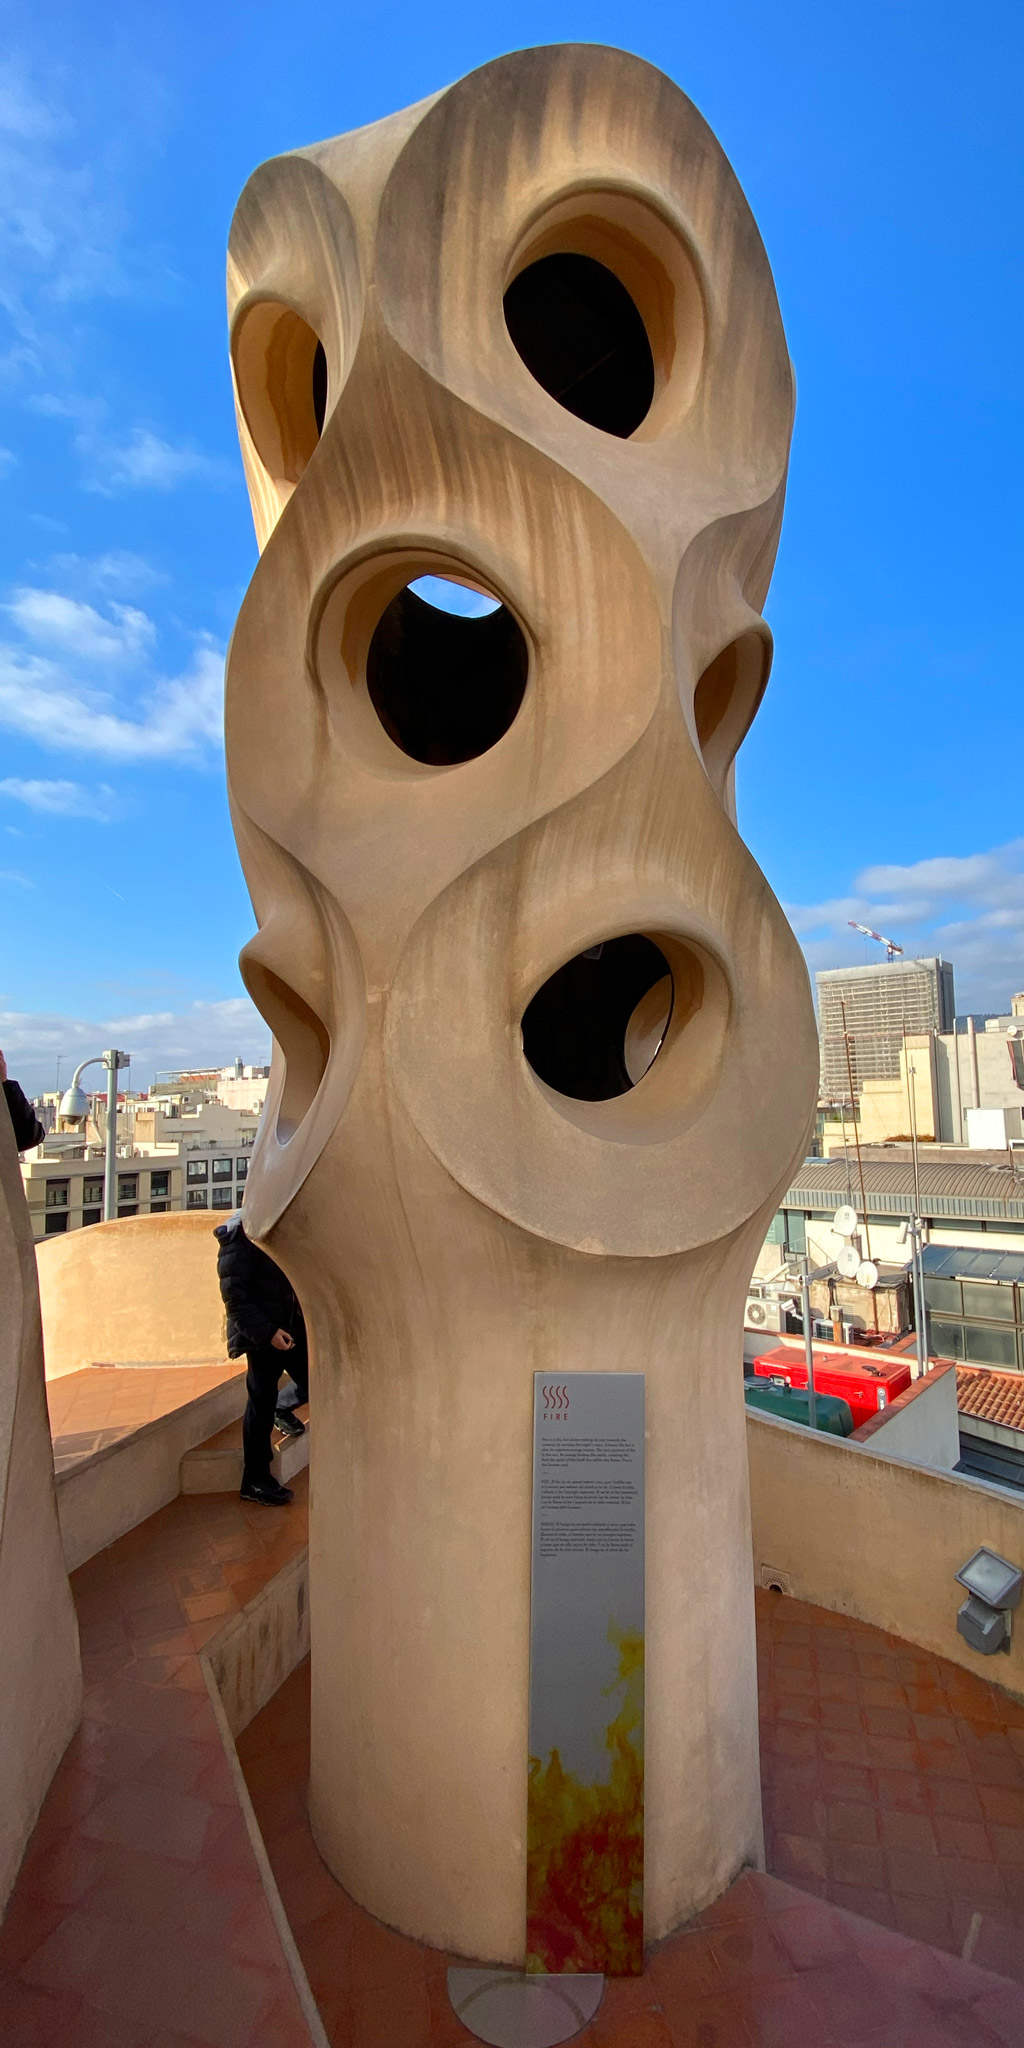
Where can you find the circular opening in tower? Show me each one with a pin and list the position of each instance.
(596, 1026)
(446, 670)
(581, 336)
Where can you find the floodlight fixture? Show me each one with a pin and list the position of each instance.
(994, 1588)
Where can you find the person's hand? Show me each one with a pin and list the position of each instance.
(281, 1341)
(3, 1068)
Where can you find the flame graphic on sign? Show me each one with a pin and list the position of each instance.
(585, 1845)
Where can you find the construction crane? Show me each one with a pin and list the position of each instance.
(891, 948)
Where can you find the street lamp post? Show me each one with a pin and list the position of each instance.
(75, 1103)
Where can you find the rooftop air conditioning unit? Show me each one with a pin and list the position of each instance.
(763, 1315)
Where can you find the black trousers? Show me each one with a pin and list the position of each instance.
(265, 1367)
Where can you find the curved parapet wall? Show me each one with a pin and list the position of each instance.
(42, 1675)
(141, 1291)
(525, 981)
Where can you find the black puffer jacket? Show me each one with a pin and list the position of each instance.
(258, 1298)
(27, 1128)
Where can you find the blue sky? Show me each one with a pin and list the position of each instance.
(878, 144)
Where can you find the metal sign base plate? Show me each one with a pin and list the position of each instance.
(508, 2009)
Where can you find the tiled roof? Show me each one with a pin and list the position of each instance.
(991, 1396)
(947, 1189)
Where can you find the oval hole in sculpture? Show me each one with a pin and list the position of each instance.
(596, 1026)
(281, 375)
(726, 700)
(582, 337)
(446, 672)
(302, 1036)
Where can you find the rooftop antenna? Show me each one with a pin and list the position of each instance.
(891, 948)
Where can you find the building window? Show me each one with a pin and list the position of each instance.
(197, 1198)
(160, 1183)
(241, 1168)
(158, 1208)
(92, 1215)
(92, 1191)
(223, 1198)
(944, 1295)
(127, 1208)
(56, 1222)
(222, 1169)
(987, 1298)
(57, 1194)
(127, 1188)
(198, 1169)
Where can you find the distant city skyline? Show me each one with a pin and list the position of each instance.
(878, 149)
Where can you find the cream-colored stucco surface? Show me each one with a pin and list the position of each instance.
(452, 1221)
(42, 1674)
(143, 1290)
(871, 1535)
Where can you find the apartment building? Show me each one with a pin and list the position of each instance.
(881, 1003)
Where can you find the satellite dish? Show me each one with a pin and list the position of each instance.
(844, 1222)
(848, 1261)
(867, 1273)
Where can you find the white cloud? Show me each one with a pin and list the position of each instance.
(119, 569)
(146, 462)
(61, 216)
(969, 908)
(200, 1034)
(172, 718)
(61, 799)
(67, 626)
(7, 460)
(12, 875)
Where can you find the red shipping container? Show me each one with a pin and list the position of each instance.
(869, 1381)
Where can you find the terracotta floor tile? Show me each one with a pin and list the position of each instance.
(899, 1830)
(747, 1951)
(886, 1753)
(1003, 1804)
(687, 1967)
(851, 1821)
(873, 1905)
(715, 2022)
(840, 1747)
(847, 1781)
(915, 1873)
(903, 1791)
(981, 1884)
(632, 2030)
(857, 1863)
(924, 1919)
(956, 1796)
(1002, 2014)
(964, 1838)
(837, 1714)
(812, 1936)
(1008, 1845)
(137, 1815)
(798, 1857)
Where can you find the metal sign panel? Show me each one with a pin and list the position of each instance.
(585, 1836)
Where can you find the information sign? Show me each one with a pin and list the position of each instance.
(585, 1799)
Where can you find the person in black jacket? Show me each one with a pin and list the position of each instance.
(27, 1128)
(265, 1322)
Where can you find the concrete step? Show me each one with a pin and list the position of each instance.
(132, 1468)
(216, 1466)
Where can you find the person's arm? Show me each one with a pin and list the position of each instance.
(27, 1128)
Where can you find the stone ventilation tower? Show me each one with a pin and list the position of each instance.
(544, 1046)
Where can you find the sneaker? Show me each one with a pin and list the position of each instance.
(266, 1491)
(286, 1419)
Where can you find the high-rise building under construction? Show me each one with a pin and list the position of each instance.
(882, 1004)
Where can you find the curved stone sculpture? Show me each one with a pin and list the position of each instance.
(42, 1684)
(544, 1047)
